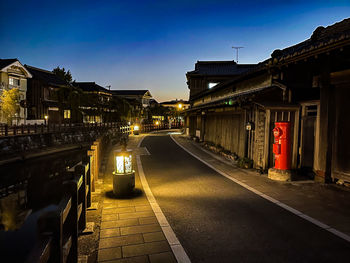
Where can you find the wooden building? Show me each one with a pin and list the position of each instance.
(208, 74)
(307, 84)
(95, 103)
(140, 102)
(14, 75)
(48, 95)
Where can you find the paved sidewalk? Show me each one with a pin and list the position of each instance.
(129, 229)
(327, 203)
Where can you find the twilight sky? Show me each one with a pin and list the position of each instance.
(152, 44)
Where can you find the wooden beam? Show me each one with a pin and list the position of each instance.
(267, 139)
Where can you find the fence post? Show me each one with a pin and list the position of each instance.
(86, 161)
(91, 154)
(72, 220)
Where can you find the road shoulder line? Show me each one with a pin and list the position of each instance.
(173, 241)
(280, 204)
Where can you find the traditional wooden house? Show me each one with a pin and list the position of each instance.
(95, 103)
(307, 84)
(208, 74)
(48, 98)
(139, 100)
(142, 96)
(14, 75)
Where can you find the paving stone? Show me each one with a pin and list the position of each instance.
(143, 208)
(136, 214)
(111, 232)
(125, 203)
(119, 223)
(139, 229)
(145, 249)
(120, 241)
(155, 236)
(111, 217)
(167, 257)
(148, 220)
(109, 254)
(141, 259)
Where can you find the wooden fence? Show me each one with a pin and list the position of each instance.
(14, 130)
(59, 229)
(163, 126)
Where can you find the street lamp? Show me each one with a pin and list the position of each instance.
(46, 118)
(179, 106)
(123, 174)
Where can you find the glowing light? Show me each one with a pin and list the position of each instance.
(157, 122)
(212, 84)
(180, 106)
(123, 163)
(46, 117)
(136, 128)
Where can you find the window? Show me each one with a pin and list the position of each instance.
(14, 82)
(212, 84)
(67, 114)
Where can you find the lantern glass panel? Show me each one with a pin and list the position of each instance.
(128, 164)
(120, 164)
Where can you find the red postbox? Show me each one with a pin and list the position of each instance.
(281, 147)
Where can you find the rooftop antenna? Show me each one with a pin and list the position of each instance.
(237, 52)
(109, 87)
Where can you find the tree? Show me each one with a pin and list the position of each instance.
(9, 103)
(61, 73)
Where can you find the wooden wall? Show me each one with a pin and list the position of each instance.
(226, 130)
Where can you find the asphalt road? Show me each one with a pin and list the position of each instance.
(217, 220)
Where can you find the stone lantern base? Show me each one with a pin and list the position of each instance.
(123, 184)
(280, 175)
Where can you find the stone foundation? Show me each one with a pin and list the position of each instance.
(280, 175)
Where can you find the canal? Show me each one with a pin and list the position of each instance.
(28, 189)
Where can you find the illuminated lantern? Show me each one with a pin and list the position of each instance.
(123, 175)
(136, 130)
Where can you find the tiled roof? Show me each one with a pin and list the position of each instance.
(46, 76)
(6, 62)
(321, 37)
(220, 68)
(129, 92)
(90, 86)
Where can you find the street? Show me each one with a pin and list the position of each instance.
(217, 220)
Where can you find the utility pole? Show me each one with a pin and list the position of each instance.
(237, 52)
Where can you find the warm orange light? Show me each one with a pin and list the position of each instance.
(180, 106)
(157, 122)
(46, 117)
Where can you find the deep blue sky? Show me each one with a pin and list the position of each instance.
(151, 44)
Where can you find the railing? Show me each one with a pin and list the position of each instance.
(6, 130)
(164, 126)
(59, 230)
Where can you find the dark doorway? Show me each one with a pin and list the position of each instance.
(309, 120)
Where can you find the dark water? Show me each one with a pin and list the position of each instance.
(28, 189)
